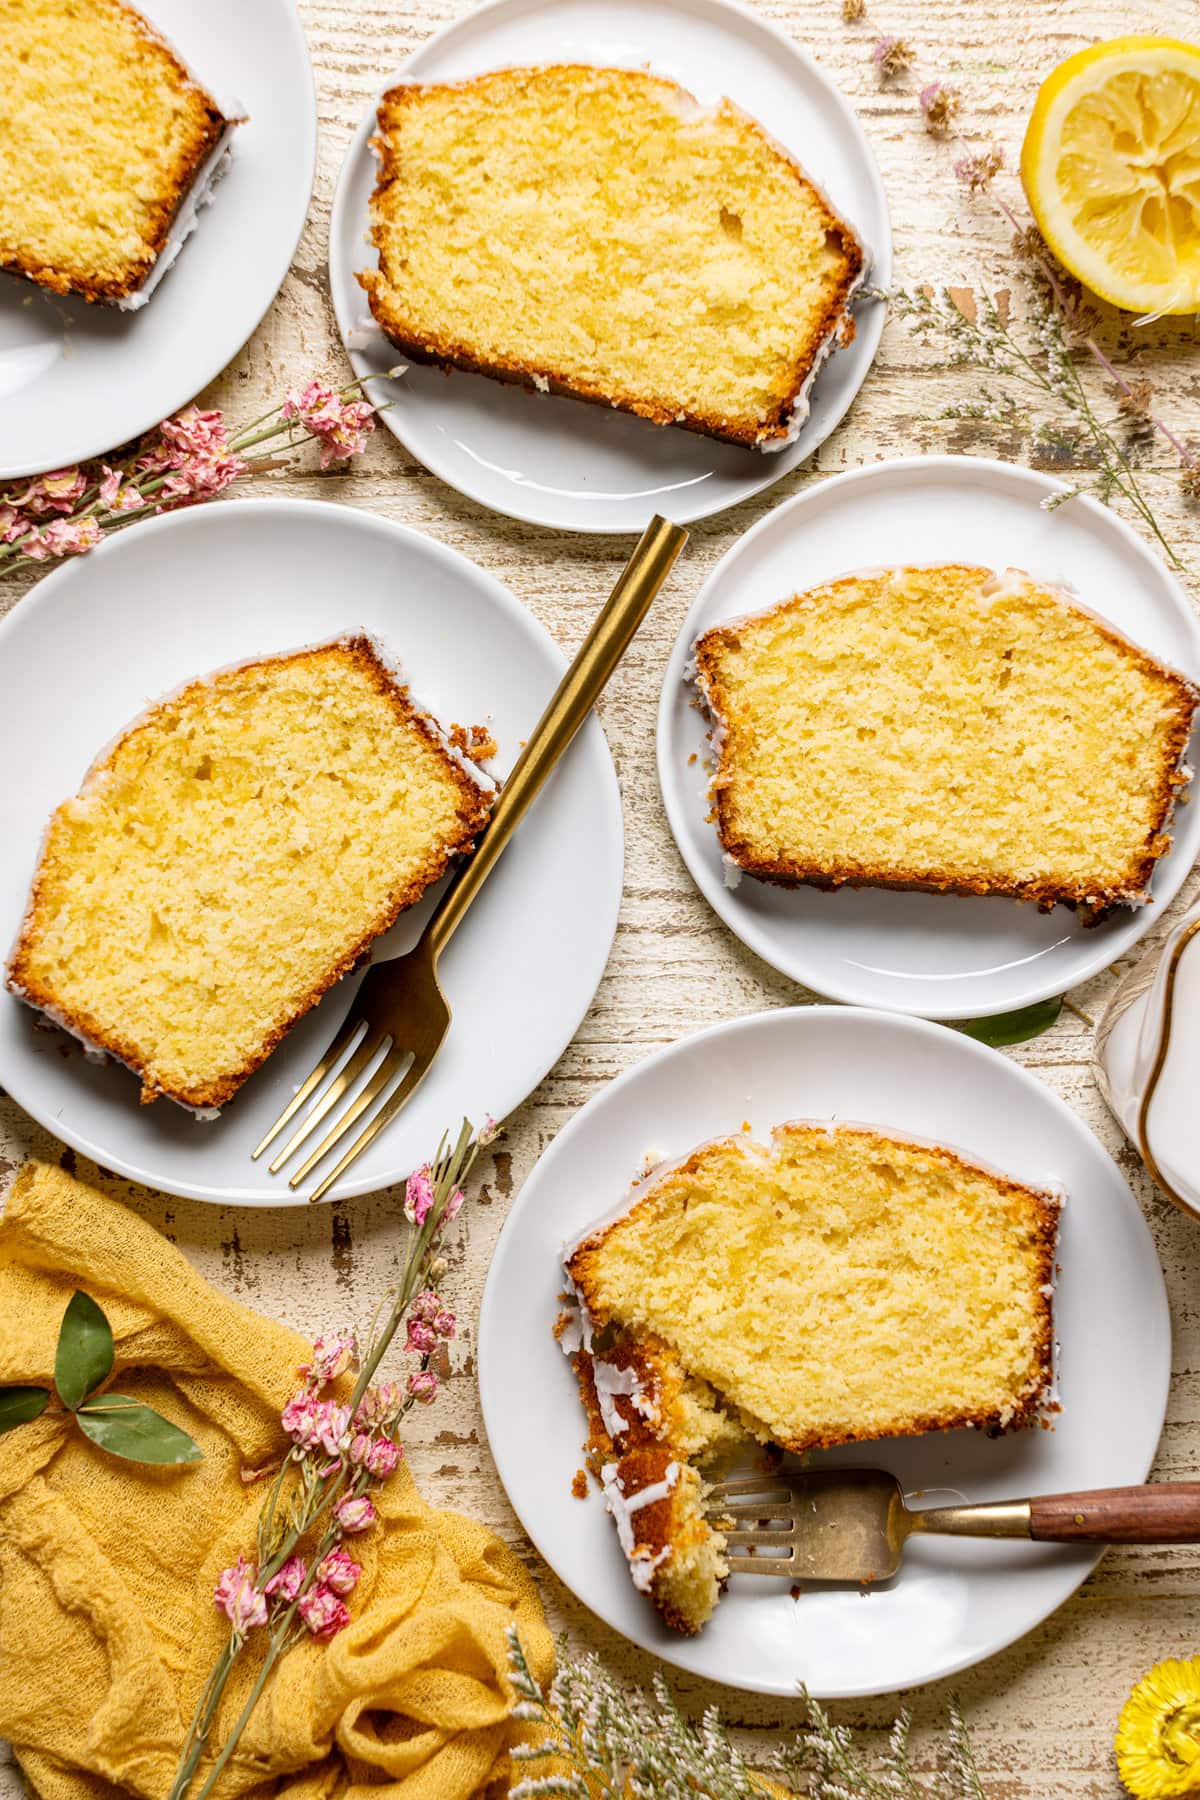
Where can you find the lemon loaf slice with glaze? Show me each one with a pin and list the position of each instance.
(599, 233)
(842, 1284)
(232, 854)
(654, 1434)
(949, 729)
(108, 147)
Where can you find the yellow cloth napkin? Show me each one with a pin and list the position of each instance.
(107, 1624)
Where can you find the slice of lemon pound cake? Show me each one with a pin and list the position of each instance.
(947, 729)
(599, 233)
(842, 1284)
(106, 135)
(232, 855)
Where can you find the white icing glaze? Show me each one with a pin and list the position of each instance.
(642, 1562)
(187, 214)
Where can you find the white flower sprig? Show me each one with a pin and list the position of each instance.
(595, 1741)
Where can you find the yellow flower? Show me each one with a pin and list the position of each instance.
(1158, 1734)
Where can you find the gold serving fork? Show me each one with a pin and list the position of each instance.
(400, 1009)
(851, 1524)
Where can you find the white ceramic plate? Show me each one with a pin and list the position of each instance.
(76, 380)
(954, 1602)
(191, 592)
(560, 462)
(941, 956)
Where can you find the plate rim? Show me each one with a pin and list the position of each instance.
(758, 942)
(869, 326)
(354, 518)
(292, 24)
(872, 1016)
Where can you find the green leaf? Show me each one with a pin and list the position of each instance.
(124, 1427)
(20, 1404)
(1015, 1027)
(85, 1350)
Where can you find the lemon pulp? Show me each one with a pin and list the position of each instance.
(1111, 165)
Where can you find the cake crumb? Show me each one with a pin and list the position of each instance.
(475, 741)
(579, 1484)
(692, 758)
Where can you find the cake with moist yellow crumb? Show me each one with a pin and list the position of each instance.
(108, 144)
(596, 232)
(949, 729)
(841, 1284)
(235, 852)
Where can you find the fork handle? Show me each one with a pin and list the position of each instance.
(574, 698)
(1161, 1512)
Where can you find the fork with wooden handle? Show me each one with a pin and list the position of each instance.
(851, 1524)
(400, 1011)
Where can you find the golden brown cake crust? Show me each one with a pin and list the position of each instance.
(1031, 1406)
(1093, 905)
(474, 807)
(447, 353)
(207, 121)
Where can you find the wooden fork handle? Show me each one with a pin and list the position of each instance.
(1163, 1512)
(597, 657)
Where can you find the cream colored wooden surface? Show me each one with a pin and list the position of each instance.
(1044, 1711)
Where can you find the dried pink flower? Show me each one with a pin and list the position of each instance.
(453, 1206)
(314, 1423)
(1189, 477)
(338, 1571)
(939, 103)
(62, 537)
(384, 1458)
(331, 1357)
(286, 1583)
(323, 1613)
(977, 172)
(426, 1305)
(418, 1195)
(421, 1337)
(342, 426)
(61, 490)
(239, 1599)
(359, 1447)
(892, 56)
(444, 1323)
(490, 1131)
(355, 1513)
(379, 1404)
(423, 1386)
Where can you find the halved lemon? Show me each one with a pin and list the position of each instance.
(1111, 165)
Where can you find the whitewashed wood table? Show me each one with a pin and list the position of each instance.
(1043, 1712)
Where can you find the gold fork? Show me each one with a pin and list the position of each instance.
(400, 1009)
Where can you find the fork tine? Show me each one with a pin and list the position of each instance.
(758, 1509)
(761, 1565)
(344, 1080)
(340, 1044)
(766, 1487)
(357, 1107)
(387, 1112)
